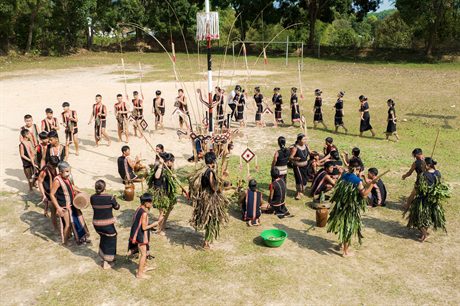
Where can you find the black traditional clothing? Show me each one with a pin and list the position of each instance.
(338, 117)
(319, 183)
(50, 174)
(59, 151)
(378, 194)
(240, 104)
(138, 111)
(391, 125)
(29, 152)
(365, 123)
(277, 201)
(71, 127)
(104, 224)
(159, 108)
(125, 170)
(121, 112)
(64, 196)
(49, 125)
(100, 114)
(282, 160)
(251, 206)
(259, 98)
(138, 236)
(220, 118)
(318, 114)
(300, 167)
(277, 99)
(295, 110)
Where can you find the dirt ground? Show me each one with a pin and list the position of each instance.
(390, 268)
(32, 92)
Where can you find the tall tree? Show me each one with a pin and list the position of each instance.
(427, 18)
(322, 9)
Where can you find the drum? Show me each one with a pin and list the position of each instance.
(322, 214)
(81, 200)
(128, 194)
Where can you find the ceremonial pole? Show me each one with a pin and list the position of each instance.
(208, 29)
(208, 46)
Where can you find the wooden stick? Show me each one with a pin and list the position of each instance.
(124, 76)
(140, 80)
(435, 143)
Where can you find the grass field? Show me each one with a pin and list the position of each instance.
(391, 267)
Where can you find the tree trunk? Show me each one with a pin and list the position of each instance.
(313, 15)
(439, 10)
(33, 16)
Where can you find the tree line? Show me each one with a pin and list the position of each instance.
(50, 27)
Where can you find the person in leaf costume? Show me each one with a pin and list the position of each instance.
(163, 188)
(426, 208)
(208, 202)
(349, 199)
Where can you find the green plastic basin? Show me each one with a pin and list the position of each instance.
(273, 238)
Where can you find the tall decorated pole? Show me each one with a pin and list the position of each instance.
(208, 29)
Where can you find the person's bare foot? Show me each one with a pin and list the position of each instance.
(161, 233)
(348, 254)
(143, 276)
(206, 245)
(105, 265)
(147, 269)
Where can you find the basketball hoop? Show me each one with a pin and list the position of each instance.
(201, 26)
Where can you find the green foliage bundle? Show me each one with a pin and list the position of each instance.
(426, 209)
(209, 208)
(345, 216)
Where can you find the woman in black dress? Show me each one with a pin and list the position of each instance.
(277, 99)
(295, 109)
(259, 98)
(339, 113)
(240, 104)
(365, 123)
(391, 126)
(281, 158)
(299, 157)
(104, 223)
(317, 109)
